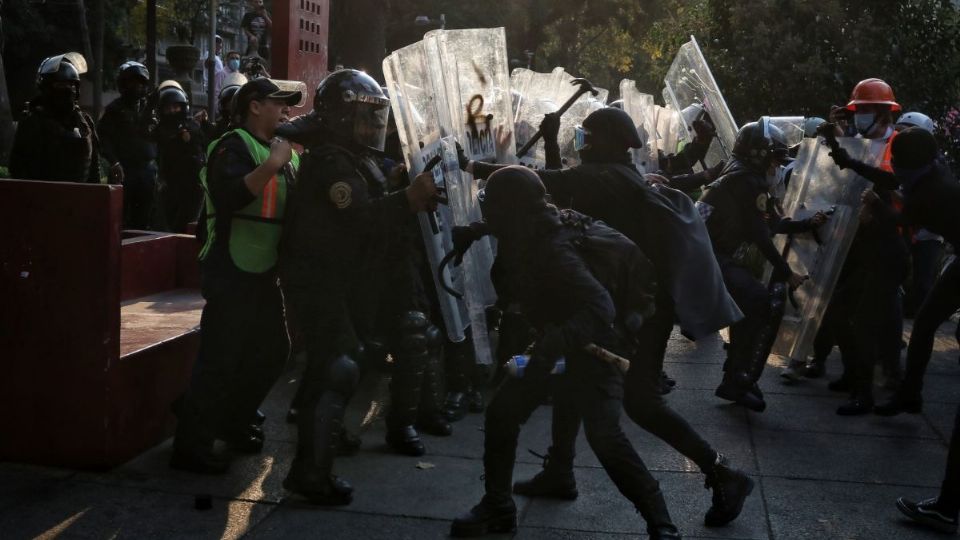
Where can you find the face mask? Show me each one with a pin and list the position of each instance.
(864, 122)
(62, 100)
(234, 64)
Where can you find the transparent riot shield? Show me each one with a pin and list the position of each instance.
(791, 126)
(818, 185)
(414, 109)
(670, 131)
(641, 109)
(536, 95)
(689, 83)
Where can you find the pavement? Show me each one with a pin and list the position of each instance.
(819, 476)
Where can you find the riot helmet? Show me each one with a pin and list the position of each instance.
(916, 119)
(509, 197)
(225, 100)
(172, 102)
(759, 143)
(133, 80)
(810, 126)
(353, 107)
(58, 80)
(913, 149)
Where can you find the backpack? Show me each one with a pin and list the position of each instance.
(618, 264)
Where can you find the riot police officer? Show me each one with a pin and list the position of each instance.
(126, 129)
(734, 208)
(182, 153)
(343, 234)
(55, 140)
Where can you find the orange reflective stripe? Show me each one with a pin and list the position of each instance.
(887, 162)
(269, 207)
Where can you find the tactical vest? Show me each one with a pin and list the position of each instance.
(254, 229)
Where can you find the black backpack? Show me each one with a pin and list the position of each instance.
(618, 264)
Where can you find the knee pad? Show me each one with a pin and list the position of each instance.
(343, 375)
(413, 334)
(434, 338)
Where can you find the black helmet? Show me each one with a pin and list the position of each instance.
(759, 143)
(352, 105)
(133, 70)
(171, 94)
(61, 68)
(612, 127)
(509, 196)
(913, 148)
(225, 100)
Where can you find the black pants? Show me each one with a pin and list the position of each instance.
(139, 195)
(243, 348)
(642, 401)
(950, 489)
(877, 325)
(754, 301)
(598, 400)
(939, 305)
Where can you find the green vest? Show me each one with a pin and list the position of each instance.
(254, 229)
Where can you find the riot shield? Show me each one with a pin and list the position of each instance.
(670, 131)
(642, 110)
(818, 185)
(791, 126)
(689, 83)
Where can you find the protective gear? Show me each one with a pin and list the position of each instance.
(412, 356)
(765, 338)
(226, 100)
(872, 92)
(128, 76)
(510, 194)
(62, 68)
(172, 95)
(234, 64)
(864, 122)
(612, 128)
(757, 142)
(916, 119)
(320, 434)
(255, 230)
(555, 481)
(913, 148)
(488, 517)
(352, 105)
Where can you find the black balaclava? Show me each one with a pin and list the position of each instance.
(514, 197)
(612, 135)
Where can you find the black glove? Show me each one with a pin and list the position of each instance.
(704, 129)
(462, 158)
(842, 158)
(550, 127)
(827, 129)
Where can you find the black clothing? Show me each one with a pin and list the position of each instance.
(57, 148)
(126, 130)
(733, 207)
(683, 161)
(242, 331)
(183, 152)
(950, 489)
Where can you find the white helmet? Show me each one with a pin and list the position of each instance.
(915, 119)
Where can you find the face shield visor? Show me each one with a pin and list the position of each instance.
(370, 117)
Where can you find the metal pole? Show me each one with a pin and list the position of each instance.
(443, 21)
(151, 60)
(212, 67)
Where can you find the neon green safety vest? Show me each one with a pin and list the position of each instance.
(254, 229)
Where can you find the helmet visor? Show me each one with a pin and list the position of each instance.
(370, 124)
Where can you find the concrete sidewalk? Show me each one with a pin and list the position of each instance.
(819, 476)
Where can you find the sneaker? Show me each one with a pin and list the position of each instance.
(486, 518)
(928, 514)
(730, 489)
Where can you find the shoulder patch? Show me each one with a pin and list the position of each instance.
(762, 202)
(341, 194)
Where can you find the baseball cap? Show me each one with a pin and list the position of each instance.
(260, 89)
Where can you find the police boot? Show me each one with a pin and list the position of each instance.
(405, 384)
(901, 402)
(739, 389)
(430, 419)
(349, 443)
(654, 511)
(730, 489)
(488, 517)
(319, 434)
(455, 406)
(475, 401)
(193, 444)
(555, 481)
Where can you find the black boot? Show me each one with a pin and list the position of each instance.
(900, 403)
(741, 394)
(475, 401)
(405, 440)
(815, 368)
(430, 419)
(730, 489)
(555, 481)
(455, 406)
(193, 444)
(486, 518)
(654, 511)
(317, 486)
(349, 443)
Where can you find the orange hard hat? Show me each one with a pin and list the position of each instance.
(872, 92)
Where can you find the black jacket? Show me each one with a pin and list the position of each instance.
(57, 149)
